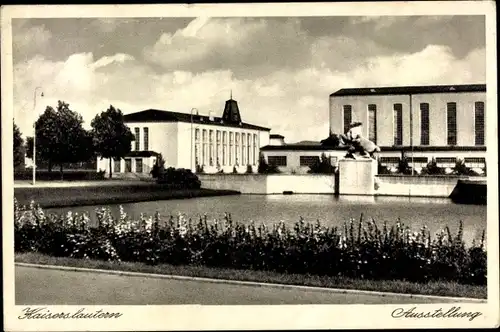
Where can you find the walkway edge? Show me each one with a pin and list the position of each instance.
(245, 283)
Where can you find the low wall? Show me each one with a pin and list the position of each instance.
(270, 184)
(429, 186)
(385, 185)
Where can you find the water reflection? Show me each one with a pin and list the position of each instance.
(435, 213)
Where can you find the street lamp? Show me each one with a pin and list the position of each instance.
(192, 147)
(34, 134)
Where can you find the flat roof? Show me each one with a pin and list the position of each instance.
(154, 115)
(276, 136)
(405, 90)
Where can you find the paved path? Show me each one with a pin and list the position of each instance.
(35, 286)
(97, 183)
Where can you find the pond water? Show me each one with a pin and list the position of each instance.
(435, 213)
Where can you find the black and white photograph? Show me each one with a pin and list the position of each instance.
(250, 166)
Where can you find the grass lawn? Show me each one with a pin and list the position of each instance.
(49, 197)
(431, 288)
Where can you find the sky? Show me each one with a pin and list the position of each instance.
(281, 70)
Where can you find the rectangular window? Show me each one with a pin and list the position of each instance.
(137, 134)
(424, 124)
(347, 117)
(276, 160)
(420, 160)
(204, 149)
(446, 161)
(249, 149)
(398, 124)
(308, 160)
(256, 149)
(473, 162)
(117, 166)
(128, 165)
(224, 148)
(218, 151)
(138, 165)
(372, 123)
(231, 143)
(237, 148)
(451, 120)
(479, 123)
(389, 160)
(197, 147)
(211, 148)
(146, 139)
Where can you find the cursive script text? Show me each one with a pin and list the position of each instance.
(453, 312)
(45, 313)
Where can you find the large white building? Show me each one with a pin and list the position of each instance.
(192, 141)
(443, 122)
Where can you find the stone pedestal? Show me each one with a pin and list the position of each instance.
(357, 176)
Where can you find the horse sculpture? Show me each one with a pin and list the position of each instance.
(359, 146)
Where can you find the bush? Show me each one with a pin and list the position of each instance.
(265, 168)
(179, 178)
(158, 167)
(432, 168)
(323, 166)
(461, 169)
(249, 169)
(360, 249)
(404, 166)
(200, 169)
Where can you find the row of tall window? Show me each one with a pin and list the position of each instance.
(137, 135)
(451, 122)
(227, 148)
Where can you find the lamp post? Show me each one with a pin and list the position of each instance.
(34, 133)
(192, 146)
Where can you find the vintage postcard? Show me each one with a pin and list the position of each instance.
(250, 166)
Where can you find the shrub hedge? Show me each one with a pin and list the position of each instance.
(358, 249)
(179, 178)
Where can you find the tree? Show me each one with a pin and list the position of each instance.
(112, 138)
(60, 136)
(265, 168)
(331, 141)
(19, 149)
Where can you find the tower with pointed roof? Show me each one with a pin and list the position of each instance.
(231, 111)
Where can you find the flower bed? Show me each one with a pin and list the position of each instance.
(360, 249)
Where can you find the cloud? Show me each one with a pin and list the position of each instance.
(30, 40)
(248, 46)
(280, 74)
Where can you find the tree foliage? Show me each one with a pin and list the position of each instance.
(111, 137)
(19, 149)
(60, 136)
(331, 141)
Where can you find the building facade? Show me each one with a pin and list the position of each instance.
(417, 122)
(192, 141)
(442, 122)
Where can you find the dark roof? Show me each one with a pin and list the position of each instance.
(276, 136)
(143, 154)
(153, 115)
(231, 112)
(405, 90)
(420, 148)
